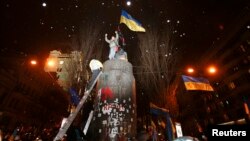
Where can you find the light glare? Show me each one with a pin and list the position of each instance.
(212, 70)
(190, 70)
(61, 62)
(44, 4)
(33, 62)
(51, 63)
(128, 3)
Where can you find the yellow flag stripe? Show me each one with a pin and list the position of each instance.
(132, 25)
(198, 86)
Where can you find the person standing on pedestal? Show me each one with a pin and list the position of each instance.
(113, 44)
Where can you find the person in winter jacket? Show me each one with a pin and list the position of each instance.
(113, 44)
(95, 66)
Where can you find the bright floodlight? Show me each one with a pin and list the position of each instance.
(212, 70)
(190, 70)
(128, 3)
(33, 62)
(51, 63)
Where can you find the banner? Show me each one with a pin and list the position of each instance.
(131, 23)
(196, 83)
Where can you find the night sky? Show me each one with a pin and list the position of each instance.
(39, 26)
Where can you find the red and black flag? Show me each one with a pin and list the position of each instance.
(121, 37)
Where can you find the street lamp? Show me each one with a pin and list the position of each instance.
(51, 63)
(196, 82)
(212, 70)
(33, 62)
(190, 70)
(209, 70)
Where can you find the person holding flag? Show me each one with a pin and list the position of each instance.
(121, 37)
(132, 24)
(113, 44)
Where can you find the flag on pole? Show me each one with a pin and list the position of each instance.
(75, 99)
(131, 23)
(164, 112)
(196, 83)
(121, 37)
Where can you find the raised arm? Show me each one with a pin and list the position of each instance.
(116, 35)
(106, 38)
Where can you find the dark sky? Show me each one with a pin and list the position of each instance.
(35, 26)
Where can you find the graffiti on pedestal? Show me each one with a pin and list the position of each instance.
(113, 113)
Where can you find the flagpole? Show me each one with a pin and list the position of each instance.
(246, 108)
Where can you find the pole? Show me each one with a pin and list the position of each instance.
(88, 122)
(72, 116)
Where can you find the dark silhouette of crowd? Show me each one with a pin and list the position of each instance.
(28, 133)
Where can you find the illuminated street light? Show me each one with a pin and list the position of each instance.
(190, 70)
(33, 62)
(212, 70)
(51, 63)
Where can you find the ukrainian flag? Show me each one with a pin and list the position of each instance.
(196, 83)
(131, 23)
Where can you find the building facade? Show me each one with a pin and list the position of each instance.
(229, 102)
(232, 84)
(28, 96)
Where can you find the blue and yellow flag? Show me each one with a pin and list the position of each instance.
(131, 23)
(196, 83)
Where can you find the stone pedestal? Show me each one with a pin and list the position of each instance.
(115, 109)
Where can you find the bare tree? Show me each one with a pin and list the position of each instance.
(89, 40)
(89, 43)
(74, 71)
(158, 66)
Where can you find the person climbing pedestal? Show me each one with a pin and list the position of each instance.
(95, 66)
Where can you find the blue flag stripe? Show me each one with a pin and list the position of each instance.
(194, 79)
(128, 16)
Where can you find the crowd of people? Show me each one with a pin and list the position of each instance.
(27, 133)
